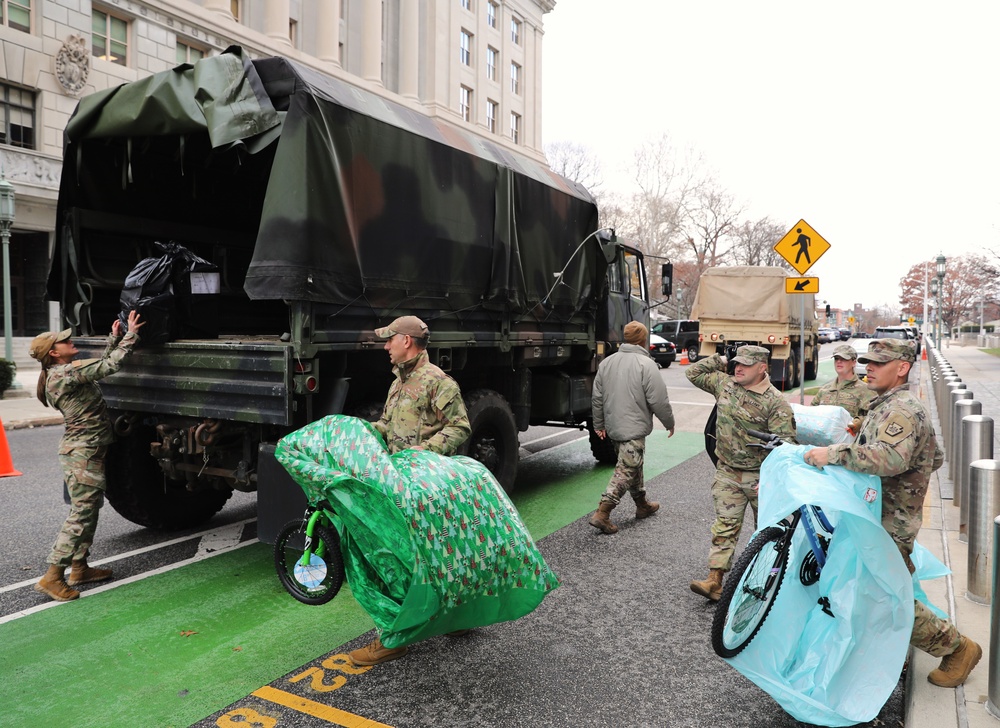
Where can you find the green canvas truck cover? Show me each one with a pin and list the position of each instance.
(337, 194)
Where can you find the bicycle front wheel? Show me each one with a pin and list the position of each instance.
(316, 580)
(750, 591)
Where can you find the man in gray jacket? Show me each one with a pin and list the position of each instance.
(628, 391)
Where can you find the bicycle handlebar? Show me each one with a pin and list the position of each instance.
(771, 440)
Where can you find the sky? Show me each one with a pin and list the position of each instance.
(876, 122)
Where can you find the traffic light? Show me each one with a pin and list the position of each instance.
(828, 310)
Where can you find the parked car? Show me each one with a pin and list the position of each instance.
(899, 332)
(682, 332)
(861, 347)
(826, 335)
(861, 335)
(845, 333)
(663, 352)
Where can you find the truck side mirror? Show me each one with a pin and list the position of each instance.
(667, 274)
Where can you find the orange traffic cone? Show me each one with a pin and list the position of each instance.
(6, 464)
(684, 358)
(923, 355)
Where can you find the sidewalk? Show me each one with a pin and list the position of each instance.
(929, 706)
(21, 408)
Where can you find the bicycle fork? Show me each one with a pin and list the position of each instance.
(307, 552)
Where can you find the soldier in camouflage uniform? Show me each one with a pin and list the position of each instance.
(70, 386)
(846, 390)
(423, 411)
(746, 400)
(897, 443)
(628, 391)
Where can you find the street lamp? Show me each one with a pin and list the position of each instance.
(6, 220)
(940, 289)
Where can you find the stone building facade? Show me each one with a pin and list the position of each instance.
(477, 63)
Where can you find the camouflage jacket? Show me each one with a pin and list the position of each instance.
(853, 395)
(896, 442)
(741, 409)
(628, 391)
(424, 408)
(72, 389)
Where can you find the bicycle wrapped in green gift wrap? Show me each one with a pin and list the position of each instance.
(431, 544)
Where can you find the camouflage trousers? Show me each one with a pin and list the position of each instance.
(732, 491)
(931, 634)
(628, 471)
(83, 471)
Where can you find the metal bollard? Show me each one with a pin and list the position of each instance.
(963, 408)
(957, 396)
(977, 444)
(993, 692)
(944, 410)
(984, 495)
(940, 394)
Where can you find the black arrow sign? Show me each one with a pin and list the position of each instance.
(802, 285)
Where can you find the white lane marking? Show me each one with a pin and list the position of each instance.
(122, 582)
(221, 539)
(129, 554)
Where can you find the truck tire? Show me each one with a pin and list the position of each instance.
(136, 488)
(693, 353)
(603, 450)
(493, 440)
(812, 366)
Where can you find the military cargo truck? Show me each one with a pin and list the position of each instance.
(748, 305)
(329, 211)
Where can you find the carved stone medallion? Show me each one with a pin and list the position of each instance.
(73, 65)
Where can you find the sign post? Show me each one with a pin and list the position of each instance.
(801, 247)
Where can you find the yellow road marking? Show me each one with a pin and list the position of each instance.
(316, 710)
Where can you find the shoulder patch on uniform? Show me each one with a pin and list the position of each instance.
(894, 430)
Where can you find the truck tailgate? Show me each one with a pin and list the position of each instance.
(227, 380)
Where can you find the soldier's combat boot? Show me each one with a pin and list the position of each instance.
(80, 573)
(711, 588)
(55, 586)
(955, 668)
(645, 508)
(601, 519)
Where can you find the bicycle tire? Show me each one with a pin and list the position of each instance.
(734, 628)
(322, 579)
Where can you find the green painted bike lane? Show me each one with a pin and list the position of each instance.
(181, 645)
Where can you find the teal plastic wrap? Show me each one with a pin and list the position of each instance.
(839, 670)
(431, 543)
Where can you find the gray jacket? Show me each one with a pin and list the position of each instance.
(628, 391)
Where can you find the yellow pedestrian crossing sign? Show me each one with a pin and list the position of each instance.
(801, 285)
(801, 247)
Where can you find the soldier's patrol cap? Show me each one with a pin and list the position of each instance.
(883, 350)
(43, 343)
(750, 355)
(409, 325)
(845, 351)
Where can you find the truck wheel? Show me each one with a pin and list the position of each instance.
(693, 353)
(493, 440)
(793, 370)
(603, 450)
(812, 366)
(136, 488)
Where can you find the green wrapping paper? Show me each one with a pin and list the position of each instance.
(431, 543)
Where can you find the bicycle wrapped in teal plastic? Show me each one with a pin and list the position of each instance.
(429, 544)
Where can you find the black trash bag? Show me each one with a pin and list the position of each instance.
(160, 289)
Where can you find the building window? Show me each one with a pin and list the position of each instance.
(189, 53)
(16, 14)
(515, 127)
(109, 37)
(465, 102)
(466, 4)
(491, 63)
(491, 14)
(234, 8)
(491, 116)
(515, 31)
(515, 78)
(18, 117)
(465, 48)
(293, 32)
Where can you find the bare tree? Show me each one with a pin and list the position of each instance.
(971, 282)
(754, 241)
(710, 217)
(576, 162)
